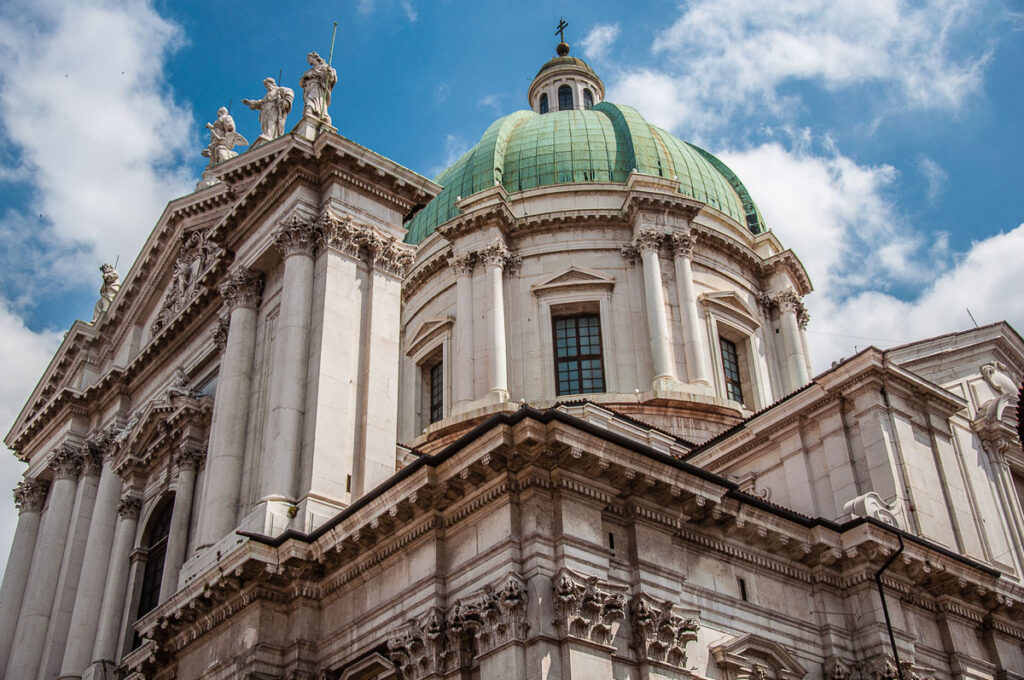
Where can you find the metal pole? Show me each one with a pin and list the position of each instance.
(885, 608)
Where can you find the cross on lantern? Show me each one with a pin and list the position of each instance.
(560, 29)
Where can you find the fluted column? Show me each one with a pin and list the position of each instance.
(89, 598)
(462, 265)
(791, 309)
(495, 258)
(188, 458)
(116, 589)
(29, 496)
(695, 348)
(46, 562)
(298, 241)
(648, 243)
(223, 484)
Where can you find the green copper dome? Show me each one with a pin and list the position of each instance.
(525, 150)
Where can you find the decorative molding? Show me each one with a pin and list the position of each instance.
(197, 254)
(243, 289)
(871, 504)
(752, 657)
(573, 278)
(658, 634)
(585, 607)
(30, 495)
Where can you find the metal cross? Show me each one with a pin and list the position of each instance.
(560, 29)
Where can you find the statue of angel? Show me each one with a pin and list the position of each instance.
(273, 107)
(223, 138)
(317, 83)
(108, 290)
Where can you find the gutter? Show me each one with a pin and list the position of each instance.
(885, 608)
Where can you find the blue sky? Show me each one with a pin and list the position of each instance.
(881, 139)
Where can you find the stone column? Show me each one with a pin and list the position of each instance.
(495, 258)
(695, 348)
(230, 420)
(298, 241)
(648, 243)
(188, 458)
(115, 591)
(791, 309)
(34, 620)
(89, 598)
(28, 498)
(462, 265)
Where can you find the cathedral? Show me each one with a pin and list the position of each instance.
(550, 415)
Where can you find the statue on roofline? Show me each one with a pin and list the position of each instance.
(108, 289)
(317, 83)
(273, 107)
(223, 138)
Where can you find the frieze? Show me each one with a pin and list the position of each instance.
(197, 254)
(586, 608)
(658, 634)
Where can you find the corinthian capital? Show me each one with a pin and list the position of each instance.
(341, 233)
(129, 507)
(496, 254)
(298, 235)
(681, 245)
(66, 462)
(648, 240)
(29, 495)
(390, 256)
(463, 264)
(788, 301)
(244, 288)
(189, 456)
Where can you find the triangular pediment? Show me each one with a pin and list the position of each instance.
(732, 303)
(750, 657)
(573, 278)
(427, 331)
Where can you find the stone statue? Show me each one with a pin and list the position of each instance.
(997, 376)
(317, 84)
(180, 386)
(223, 138)
(126, 432)
(273, 108)
(108, 290)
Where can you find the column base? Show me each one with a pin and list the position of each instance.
(497, 396)
(667, 383)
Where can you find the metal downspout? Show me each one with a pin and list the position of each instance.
(885, 608)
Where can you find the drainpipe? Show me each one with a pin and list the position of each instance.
(885, 608)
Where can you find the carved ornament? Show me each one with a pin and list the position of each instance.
(129, 507)
(66, 462)
(30, 494)
(496, 254)
(681, 245)
(871, 505)
(463, 264)
(298, 235)
(180, 386)
(190, 456)
(197, 254)
(658, 634)
(243, 289)
(648, 241)
(219, 333)
(585, 608)
(997, 375)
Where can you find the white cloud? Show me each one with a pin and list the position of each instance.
(728, 56)
(23, 357)
(101, 142)
(454, 147)
(600, 39)
(934, 175)
(491, 100)
(410, 11)
(838, 217)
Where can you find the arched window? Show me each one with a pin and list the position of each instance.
(154, 543)
(544, 103)
(588, 99)
(565, 98)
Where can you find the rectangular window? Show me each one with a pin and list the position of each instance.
(436, 392)
(731, 368)
(579, 367)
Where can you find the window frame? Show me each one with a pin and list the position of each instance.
(579, 357)
(565, 89)
(543, 104)
(428, 346)
(728, 316)
(588, 99)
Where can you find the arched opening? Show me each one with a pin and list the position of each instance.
(154, 545)
(565, 98)
(588, 100)
(544, 103)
